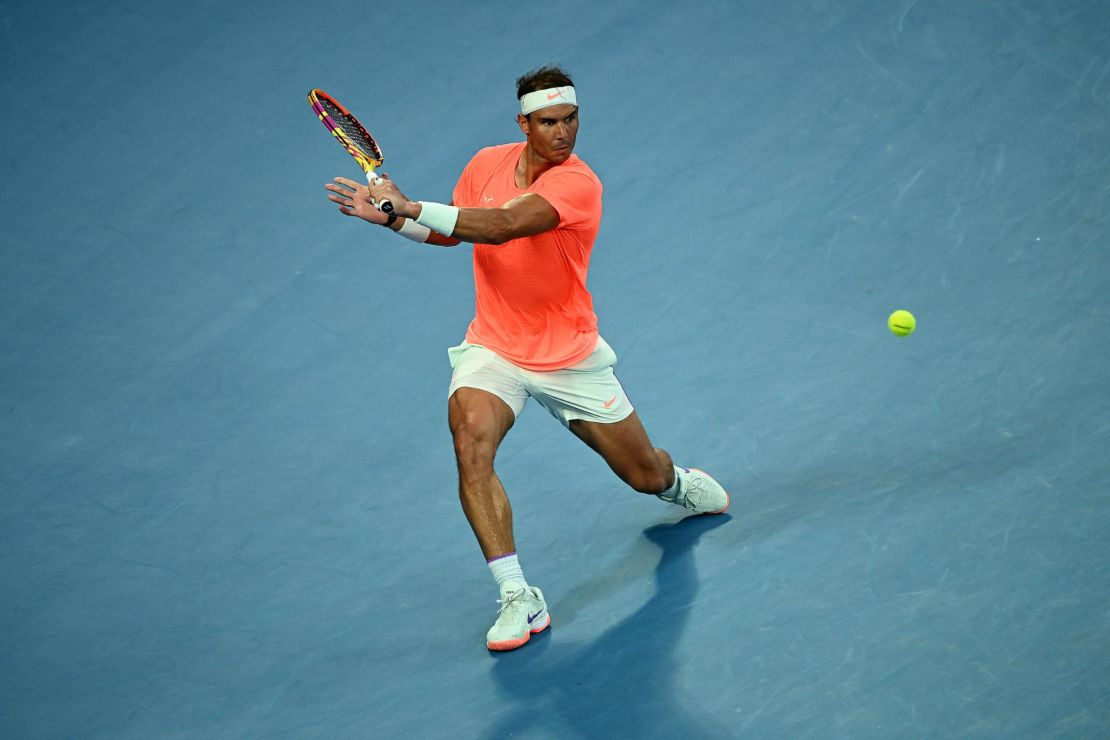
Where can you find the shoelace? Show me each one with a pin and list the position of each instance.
(513, 597)
(682, 496)
(695, 487)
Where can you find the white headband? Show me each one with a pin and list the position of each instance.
(533, 101)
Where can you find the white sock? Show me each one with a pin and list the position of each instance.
(506, 568)
(671, 492)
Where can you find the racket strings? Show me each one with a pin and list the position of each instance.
(353, 130)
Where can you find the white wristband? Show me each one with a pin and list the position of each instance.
(438, 217)
(412, 230)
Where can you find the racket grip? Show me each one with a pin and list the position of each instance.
(385, 206)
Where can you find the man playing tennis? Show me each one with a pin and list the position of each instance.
(532, 210)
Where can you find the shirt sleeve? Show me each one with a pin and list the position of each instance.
(574, 194)
(463, 195)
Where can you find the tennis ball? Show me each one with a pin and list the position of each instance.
(902, 323)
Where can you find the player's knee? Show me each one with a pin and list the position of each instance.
(472, 449)
(474, 440)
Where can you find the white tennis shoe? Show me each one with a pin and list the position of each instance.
(523, 613)
(698, 492)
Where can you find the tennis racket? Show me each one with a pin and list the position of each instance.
(352, 135)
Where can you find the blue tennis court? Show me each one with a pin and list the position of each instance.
(229, 502)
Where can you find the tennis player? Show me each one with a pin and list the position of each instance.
(532, 209)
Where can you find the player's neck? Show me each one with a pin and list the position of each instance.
(530, 166)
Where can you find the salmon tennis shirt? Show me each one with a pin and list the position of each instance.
(531, 302)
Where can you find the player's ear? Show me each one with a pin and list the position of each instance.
(523, 123)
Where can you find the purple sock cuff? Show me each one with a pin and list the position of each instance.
(501, 557)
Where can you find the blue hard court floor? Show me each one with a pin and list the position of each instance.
(227, 491)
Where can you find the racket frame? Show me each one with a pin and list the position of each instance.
(368, 164)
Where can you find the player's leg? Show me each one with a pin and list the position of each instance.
(486, 396)
(479, 421)
(625, 446)
(589, 400)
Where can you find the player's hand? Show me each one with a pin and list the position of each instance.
(385, 189)
(354, 200)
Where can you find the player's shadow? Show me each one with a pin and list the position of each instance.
(621, 684)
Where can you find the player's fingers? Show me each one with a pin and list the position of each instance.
(341, 191)
(349, 183)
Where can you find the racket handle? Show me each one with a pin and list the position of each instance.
(385, 206)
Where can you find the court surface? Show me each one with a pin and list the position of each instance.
(228, 490)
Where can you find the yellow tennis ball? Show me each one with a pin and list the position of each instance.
(902, 323)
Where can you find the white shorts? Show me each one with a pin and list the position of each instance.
(588, 391)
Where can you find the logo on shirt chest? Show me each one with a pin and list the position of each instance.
(487, 198)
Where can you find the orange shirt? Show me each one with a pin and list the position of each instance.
(532, 306)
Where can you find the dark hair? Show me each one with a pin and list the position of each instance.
(549, 75)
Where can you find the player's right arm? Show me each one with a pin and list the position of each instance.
(434, 237)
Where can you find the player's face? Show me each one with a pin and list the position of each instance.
(552, 131)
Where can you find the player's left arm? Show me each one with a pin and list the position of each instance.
(355, 199)
(525, 215)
